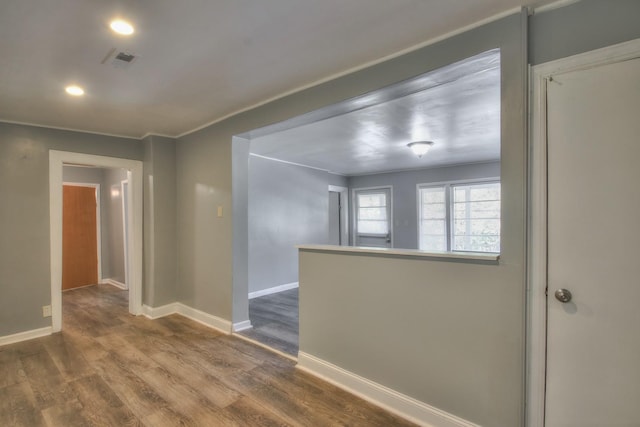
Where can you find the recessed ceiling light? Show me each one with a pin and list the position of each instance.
(121, 27)
(74, 90)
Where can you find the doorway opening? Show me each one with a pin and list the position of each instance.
(338, 215)
(129, 213)
(281, 172)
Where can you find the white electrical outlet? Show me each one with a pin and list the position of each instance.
(219, 211)
(46, 311)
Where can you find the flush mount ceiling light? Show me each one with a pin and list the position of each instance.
(121, 26)
(74, 90)
(420, 148)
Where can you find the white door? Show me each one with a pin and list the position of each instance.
(373, 217)
(593, 341)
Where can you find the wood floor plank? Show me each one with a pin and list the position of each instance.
(208, 385)
(136, 357)
(90, 348)
(108, 368)
(67, 358)
(167, 417)
(134, 392)
(18, 406)
(187, 400)
(100, 404)
(66, 414)
(246, 412)
(173, 389)
(293, 411)
(221, 360)
(11, 371)
(326, 398)
(45, 380)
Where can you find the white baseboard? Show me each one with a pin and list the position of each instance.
(206, 319)
(242, 326)
(26, 335)
(215, 322)
(400, 404)
(273, 290)
(158, 312)
(115, 283)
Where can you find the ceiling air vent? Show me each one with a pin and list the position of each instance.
(119, 59)
(126, 57)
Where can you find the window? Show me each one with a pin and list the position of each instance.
(460, 217)
(372, 213)
(433, 219)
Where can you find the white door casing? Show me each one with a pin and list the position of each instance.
(57, 159)
(590, 375)
(126, 203)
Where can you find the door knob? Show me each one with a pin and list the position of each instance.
(563, 295)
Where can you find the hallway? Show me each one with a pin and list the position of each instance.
(110, 368)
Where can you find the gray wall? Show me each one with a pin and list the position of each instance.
(337, 180)
(25, 277)
(447, 334)
(288, 206)
(581, 27)
(205, 242)
(160, 221)
(404, 184)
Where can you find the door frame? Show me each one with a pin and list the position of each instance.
(354, 213)
(98, 219)
(57, 160)
(344, 212)
(126, 212)
(539, 75)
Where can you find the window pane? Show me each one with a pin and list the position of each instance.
(432, 243)
(434, 227)
(479, 227)
(435, 210)
(372, 227)
(432, 195)
(433, 230)
(477, 244)
(476, 218)
(372, 200)
(372, 213)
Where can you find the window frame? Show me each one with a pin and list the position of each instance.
(354, 212)
(448, 187)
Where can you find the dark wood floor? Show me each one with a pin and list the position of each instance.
(275, 321)
(108, 368)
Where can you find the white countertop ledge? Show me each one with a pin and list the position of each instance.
(403, 252)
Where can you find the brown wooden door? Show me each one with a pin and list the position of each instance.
(79, 237)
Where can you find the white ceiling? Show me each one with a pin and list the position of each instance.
(199, 60)
(457, 107)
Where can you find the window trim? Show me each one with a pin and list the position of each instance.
(448, 185)
(354, 212)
